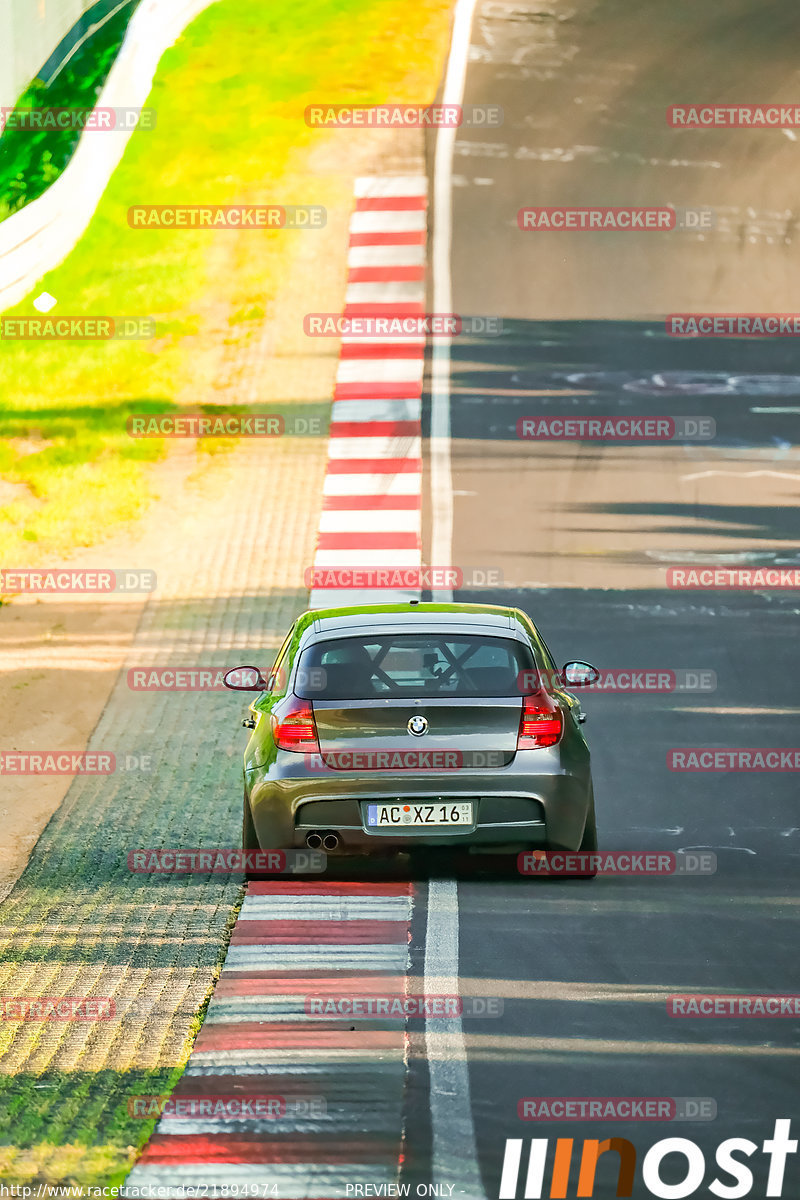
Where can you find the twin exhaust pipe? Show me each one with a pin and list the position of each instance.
(324, 841)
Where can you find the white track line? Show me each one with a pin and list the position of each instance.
(742, 474)
(452, 1126)
(775, 408)
(441, 472)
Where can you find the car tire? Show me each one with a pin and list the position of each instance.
(589, 840)
(250, 841)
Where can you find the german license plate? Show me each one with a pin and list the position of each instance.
(400, 815)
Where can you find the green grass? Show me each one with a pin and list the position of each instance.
(230, 99)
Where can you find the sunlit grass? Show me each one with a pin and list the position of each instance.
(229, 129)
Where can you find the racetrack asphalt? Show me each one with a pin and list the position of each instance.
(582, 534)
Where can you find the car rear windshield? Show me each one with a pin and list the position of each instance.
(414, 665)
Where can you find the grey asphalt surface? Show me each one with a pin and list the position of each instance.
(583, 533)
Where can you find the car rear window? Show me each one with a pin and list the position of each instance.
(414, 665)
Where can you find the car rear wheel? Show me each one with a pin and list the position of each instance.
(249, 839)
(250, 842)
(589, 841)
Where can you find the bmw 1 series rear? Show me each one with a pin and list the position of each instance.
(389, 728)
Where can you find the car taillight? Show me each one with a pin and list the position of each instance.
(296, 729)
(541, 723)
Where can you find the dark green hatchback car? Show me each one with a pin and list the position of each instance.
(388, 727)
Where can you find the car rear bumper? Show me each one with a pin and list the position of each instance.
(498, 820)
(513, 805)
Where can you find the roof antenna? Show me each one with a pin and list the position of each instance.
(413, 602)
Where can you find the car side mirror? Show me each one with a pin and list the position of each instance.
(244, 679)
(579, 674)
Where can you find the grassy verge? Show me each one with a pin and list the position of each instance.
(30, 158)
(81, 1126)
(230, 99)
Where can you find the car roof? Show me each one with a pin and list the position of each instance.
(488, 619)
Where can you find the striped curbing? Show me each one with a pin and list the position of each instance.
(372, 494)
(333, 1086)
